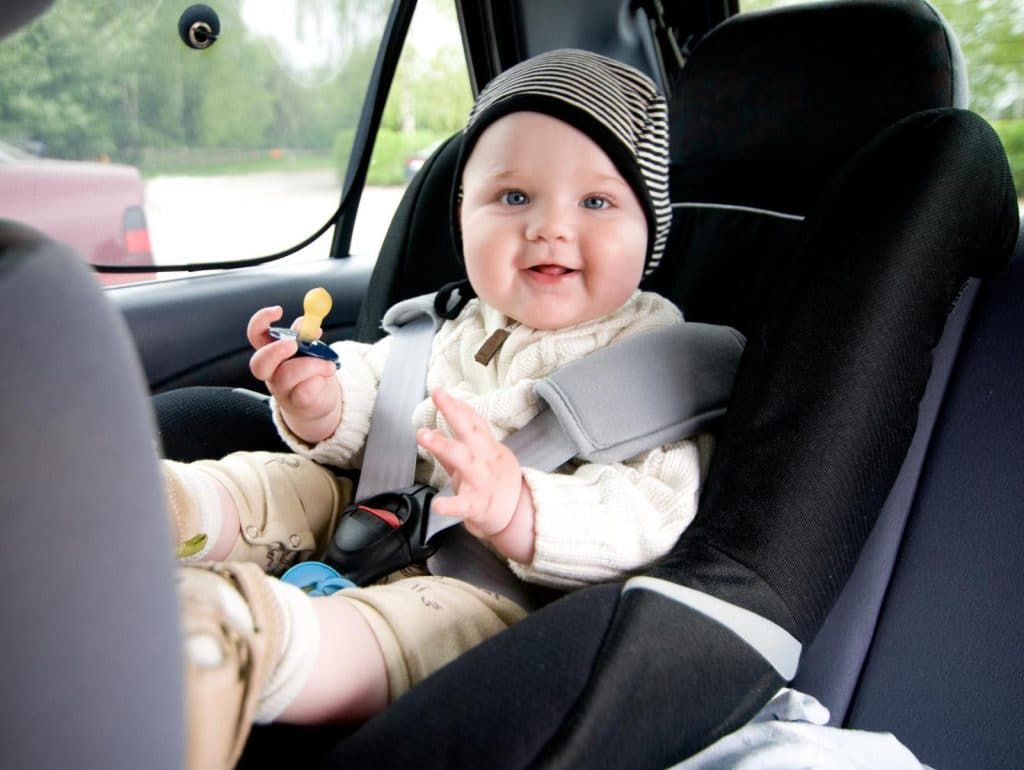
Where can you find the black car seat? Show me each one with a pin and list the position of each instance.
(605, 678)
(836, 230)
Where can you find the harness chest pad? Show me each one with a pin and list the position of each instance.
(653, 389)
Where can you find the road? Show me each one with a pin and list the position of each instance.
(204, 219)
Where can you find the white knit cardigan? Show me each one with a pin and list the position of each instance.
(594, 522)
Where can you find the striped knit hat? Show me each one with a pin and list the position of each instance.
(614, 104)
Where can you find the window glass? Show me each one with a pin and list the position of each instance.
(429, 101)
(134, 148)
(991, 34)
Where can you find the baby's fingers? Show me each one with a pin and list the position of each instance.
(265, 362)
(256, 329)
(453, 455)
(465, 423)
(457, 507)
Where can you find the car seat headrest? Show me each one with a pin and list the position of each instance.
(418, 254)
(817, 82)
(18, 13)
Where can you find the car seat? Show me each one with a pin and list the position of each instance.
(86, 684)
(606, 678)
(771, 235)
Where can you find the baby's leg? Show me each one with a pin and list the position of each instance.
(259, 650)
(269, 508)
(419, 623)
(252, 643)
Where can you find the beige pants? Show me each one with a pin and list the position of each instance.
(421, 621)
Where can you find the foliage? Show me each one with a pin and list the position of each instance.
(429, 101)
(1011, 131)
(75, 85)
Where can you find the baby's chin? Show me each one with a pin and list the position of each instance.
(558, 316)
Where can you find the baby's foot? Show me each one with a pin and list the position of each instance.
(250, 644)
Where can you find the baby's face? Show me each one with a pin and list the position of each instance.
(552, 234)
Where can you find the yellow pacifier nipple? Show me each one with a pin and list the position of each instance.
(315, 306)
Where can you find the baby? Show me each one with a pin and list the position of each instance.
(561, 207)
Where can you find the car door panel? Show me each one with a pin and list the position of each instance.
(192, 331)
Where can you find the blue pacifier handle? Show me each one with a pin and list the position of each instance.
(314, 348)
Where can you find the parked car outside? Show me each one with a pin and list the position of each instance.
(415, 161)
(94, 207)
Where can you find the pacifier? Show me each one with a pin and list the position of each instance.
(315, 306)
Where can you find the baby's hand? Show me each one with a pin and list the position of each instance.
(306, 388)
(488, 482)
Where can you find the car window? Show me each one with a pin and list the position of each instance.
(428, 102)
(991, 35)
(118, 138)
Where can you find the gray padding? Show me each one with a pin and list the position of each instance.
(597, 413)
(400, 314)
(650, 390)
(90, 652)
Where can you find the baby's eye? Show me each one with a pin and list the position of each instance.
(514, 198)
(596, 202)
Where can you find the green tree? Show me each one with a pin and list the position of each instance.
(991, 34)
(57, 89)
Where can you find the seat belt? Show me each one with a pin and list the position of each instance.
(688, 371)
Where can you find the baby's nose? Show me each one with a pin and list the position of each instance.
(552, 222)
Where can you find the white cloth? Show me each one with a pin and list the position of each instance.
(791, 733)
(594, 522)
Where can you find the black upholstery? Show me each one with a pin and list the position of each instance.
(199, 423)
(810, 96)
(17, 14)
(418, 254)
(843, 309)
(817, 82)
(824, 409)
(840, 264)
(86, 684)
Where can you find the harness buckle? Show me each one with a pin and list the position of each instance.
(382, 534)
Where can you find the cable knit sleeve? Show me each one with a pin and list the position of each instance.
(359, 377)
(605, 521)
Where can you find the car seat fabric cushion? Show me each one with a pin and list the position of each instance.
(419, 253)
(85, 527)
(824, 407)
(820, 101)
(823, 411)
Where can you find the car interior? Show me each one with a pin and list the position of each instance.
(835, 199)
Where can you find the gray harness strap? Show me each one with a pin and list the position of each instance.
(686, 371)
(390, 454)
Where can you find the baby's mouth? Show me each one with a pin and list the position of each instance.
(552, 270)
